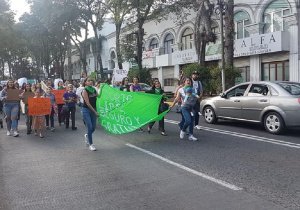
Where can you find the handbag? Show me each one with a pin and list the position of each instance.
(165, 107)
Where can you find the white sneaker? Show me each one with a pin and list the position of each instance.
(192, 138)
(8, 133)
(198, 127)
(182, 133)
(86, 140)
(92, 147)
(52, 129)
(15, 133)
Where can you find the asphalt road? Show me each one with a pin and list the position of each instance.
(232, 166)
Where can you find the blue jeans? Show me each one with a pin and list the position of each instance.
(11, 111)
(90, 119)
(187, 120)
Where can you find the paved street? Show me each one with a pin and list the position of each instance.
(232, 166)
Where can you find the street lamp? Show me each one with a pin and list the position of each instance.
(220, 10)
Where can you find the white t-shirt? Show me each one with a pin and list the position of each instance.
(78, 93)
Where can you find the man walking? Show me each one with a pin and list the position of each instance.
(198, 89)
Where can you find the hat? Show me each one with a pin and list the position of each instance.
(195, 72)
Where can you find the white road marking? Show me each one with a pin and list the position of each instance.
(246, 136)
(217, 181)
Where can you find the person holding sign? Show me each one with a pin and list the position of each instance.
(38, 120)
(25, 95)
(11, 98)
(70, 98)
(89, 112)
(50, 117)
(60, 86)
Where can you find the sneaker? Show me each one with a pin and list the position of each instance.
(182, 133)
(41, 135)
(47, 127)
(192, 138)
(149, 129)
(8, 133)
(198, 127)
(86, 140)
(52, 129)
(92, 147)
(141, 130)
(15, 133)
(163, 133)
(74, 128)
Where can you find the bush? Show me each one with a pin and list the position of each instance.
(211, 77)
(144, 75)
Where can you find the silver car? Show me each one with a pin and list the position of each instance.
(276, 105)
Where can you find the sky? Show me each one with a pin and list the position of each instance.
(19, 7)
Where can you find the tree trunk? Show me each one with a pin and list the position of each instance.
(229, 34)
(140, 34)
(118, 48)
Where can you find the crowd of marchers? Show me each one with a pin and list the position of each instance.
(14, 101)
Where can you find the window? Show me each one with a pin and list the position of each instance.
(273, 16)
(241, 19)
(153, 44)
(169, 82)
(112, 60)
(258, 90)
(275, 71)
(292, 88)
(245, 74)
(238, 91)
(169, 40)
(186, 39)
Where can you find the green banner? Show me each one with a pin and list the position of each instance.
(123, 112)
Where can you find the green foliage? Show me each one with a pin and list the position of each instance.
(144, 75)
(211, 77)
(93, 75)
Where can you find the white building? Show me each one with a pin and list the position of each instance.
(266, 45)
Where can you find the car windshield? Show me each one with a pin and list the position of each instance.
(292, 87)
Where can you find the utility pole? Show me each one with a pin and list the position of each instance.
(220, 10)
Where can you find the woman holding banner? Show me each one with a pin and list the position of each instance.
(38, 120)
(25, 95)
(89, 112)
(125, 85)
(156, 89)
(11, 98)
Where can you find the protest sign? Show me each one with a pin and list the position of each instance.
(39, 106)
(123, 112)
(59, 94)
(119, 74)
(13, 95)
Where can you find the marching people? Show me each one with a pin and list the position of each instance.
(60, 114)
(125, 85)
(188, 99)
(156, 89)
(11, 98)
(135, 87)
(70, 99)
(27, 94)
(89, 112)
(50, 117)
(38, 120)
(198, 90)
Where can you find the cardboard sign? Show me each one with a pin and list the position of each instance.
(27, 95)
(39, 106)
(13, 95)
(59, 96)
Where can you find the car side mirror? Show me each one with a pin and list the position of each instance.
(222, 95)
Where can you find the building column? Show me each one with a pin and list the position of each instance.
(160, 76)
(177, 71)
(294, 47)
(255, 68)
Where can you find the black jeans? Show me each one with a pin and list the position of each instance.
(196, 111)
(60, 114)
(161, 123)
(51, 118)
(71, 113)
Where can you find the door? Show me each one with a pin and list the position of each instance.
(254, 102)
(230, 105)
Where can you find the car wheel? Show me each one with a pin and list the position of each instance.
(209, 115)
(274, 123)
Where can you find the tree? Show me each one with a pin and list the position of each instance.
(229, 33)
(118, 9)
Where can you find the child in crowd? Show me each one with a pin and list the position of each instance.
(38, 120)
(50, 117)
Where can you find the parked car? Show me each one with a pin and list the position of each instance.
(276, 105)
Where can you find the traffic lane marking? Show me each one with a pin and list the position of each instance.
(197, 173)
(246, 136)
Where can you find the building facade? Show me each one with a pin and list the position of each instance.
(266, 43)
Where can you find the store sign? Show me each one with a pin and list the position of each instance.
(186, 56)
(261, 44)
